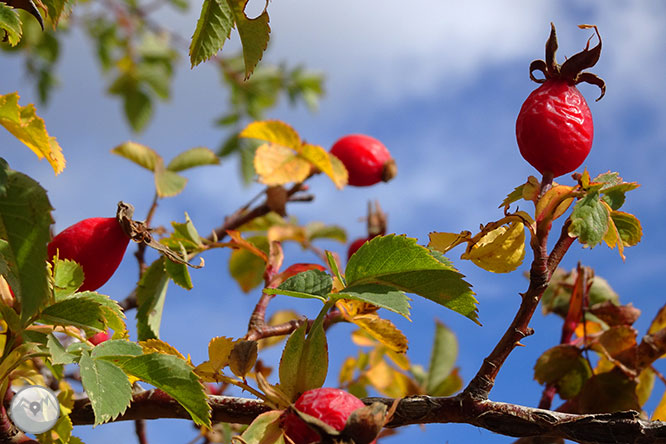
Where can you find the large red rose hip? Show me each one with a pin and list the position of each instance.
(366, 159)
(97, 244)
(331, 405)
(554, 128)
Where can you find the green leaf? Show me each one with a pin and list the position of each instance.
(25, 218)
(58, 353)
(139, 154)
(382, 296)
(254, 34)
(304, 361)
(247, 268)
(68, 277)
(107, 387)
(78, 311)
(10, 23)
(168, 183)
(247, 153)
(514, 196)
(116, 350)
(150, 296)
(442, 358)
(56, 8)
(213, 28)
(398, 261)
(615, 196)
(333, 265)
(191, 158)
(564, 367)
(176, 378)
(315, 282)
(628, 226)
(184, 234)
(138, 108)
(589, 220)
(179, 274)
(450, 385)
(114, 317)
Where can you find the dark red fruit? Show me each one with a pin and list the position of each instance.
(354, 246)
(331, 405)
(367, 160)
(554, 128)
(100, 337)
(97, 244)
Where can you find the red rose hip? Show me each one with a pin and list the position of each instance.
(366, 159)
(331, 405)
(554, 128)
(97, 244)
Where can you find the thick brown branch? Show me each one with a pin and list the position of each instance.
(498, 417)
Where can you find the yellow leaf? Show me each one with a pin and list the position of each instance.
(278, 165)
(383, 330)
(26, 126)
(274, 132)
(660, 412)
(554, 203)
(389, 381)
(326, 163)
(239, 242)
(347, 371)
(501, 250)
(287, 232)
(659, 321)
(219, 350)
(159, 346)
(444, 242)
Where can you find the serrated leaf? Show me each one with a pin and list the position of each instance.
(254, 33)
(150, 296)
(304, 361)
(179, 274)
(58, 353)
(564, 367)
(380, 329)
(159, 346)
(107, 386)
(114, 316)
(11, 24)
(589, 220)
(264, 429)
(26, 126)
(173, 376)
(184, 234)
(315, 282)
(501, 250)
(219, 350)
(139, 154)
(25, 218)
(67, 278)
(442, 358)
(399, 262)
(115, 349)
(212, 30)
(80, 312)
(614, 196)
(192, 158)
(382, 296)
(246, 267)
(243, 357)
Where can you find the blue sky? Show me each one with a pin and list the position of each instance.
(440, 85)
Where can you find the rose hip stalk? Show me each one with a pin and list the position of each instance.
(554, 128)
(367, 160)
(97, 244)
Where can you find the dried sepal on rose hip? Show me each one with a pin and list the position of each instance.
(554, 128)
(97, 244)
(366, 159)
(331, 405)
